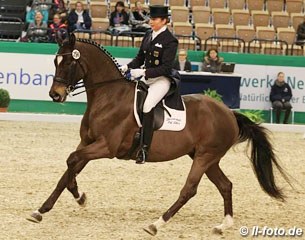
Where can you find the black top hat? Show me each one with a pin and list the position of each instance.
(158, 11)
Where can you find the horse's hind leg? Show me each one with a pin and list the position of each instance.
(215, 174)
(199, 166)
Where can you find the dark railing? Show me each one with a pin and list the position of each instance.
(268, 46)
(297, 48)
(10, 28)
(225, 44)
(188, 42)
(13, 8)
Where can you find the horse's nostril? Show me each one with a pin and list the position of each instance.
(55, 96)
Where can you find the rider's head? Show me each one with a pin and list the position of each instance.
(158, 17)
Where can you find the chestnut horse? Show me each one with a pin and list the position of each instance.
(108, 128)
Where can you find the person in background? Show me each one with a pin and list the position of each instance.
(119, 19)
(301, 33)
(79, 18)
(37, 30)
(139, 18)
(212, 62)
(181, 63)
(37, 6)
(58, 7)
(280, 96)
(56, 25)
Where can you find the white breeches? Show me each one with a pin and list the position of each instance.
(158, 88)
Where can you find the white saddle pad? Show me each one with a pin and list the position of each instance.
(175, 122)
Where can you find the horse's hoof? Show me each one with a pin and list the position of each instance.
(218, 230)
(82, 200)
(35, 217)
(152, 230)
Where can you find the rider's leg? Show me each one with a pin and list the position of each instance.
(158, 87)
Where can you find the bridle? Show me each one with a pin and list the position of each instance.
(71, 85)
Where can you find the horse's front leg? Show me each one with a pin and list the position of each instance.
(80, 197)
(76, 162)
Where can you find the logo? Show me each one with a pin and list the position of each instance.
(75, 54)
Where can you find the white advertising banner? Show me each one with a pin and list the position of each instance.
(30, 76)
(256, 84)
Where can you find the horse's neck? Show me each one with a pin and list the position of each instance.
(104, 82)
(113, 94)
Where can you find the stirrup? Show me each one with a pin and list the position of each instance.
(141, 156)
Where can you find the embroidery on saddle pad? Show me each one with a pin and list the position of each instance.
(166, 119)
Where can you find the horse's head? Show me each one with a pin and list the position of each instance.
(69, 69)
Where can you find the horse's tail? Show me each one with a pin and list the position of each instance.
(262, 155)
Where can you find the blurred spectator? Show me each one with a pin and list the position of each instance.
(181, 63)
(37, 6)
(37, 30)
(79, 18)
(55, 26)
(43, 4)
(139, 18)
(301, 32)
(280, 96)
(119, 19)
(212, 62)
(58, 7)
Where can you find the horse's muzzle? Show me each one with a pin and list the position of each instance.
(56, 97)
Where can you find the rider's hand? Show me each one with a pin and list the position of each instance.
(123, 68)
(136, 73)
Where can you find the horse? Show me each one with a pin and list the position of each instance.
(108, 128)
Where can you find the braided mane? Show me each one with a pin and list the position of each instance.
(103, 49)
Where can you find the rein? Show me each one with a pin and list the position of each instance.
(93, 86)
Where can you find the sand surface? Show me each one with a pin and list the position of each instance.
(124, 197)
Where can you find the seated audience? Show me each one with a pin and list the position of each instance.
(119, 19)
(301, 33)
(56, 25)
(139, 18)
(79, 18)
(181, 63)
(37, 30)
(58, 7)
(37, 6)
(280, 96)
(212, 62)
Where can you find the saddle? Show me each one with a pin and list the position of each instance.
(169, 114)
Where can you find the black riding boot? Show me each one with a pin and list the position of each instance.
(287, 114)
(277, 115)
(147, 131)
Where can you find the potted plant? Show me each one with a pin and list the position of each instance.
(213, 94)
(4, 100)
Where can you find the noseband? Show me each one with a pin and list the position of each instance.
(70, 83)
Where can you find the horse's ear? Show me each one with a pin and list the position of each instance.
(72, 40)
(61, 37)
